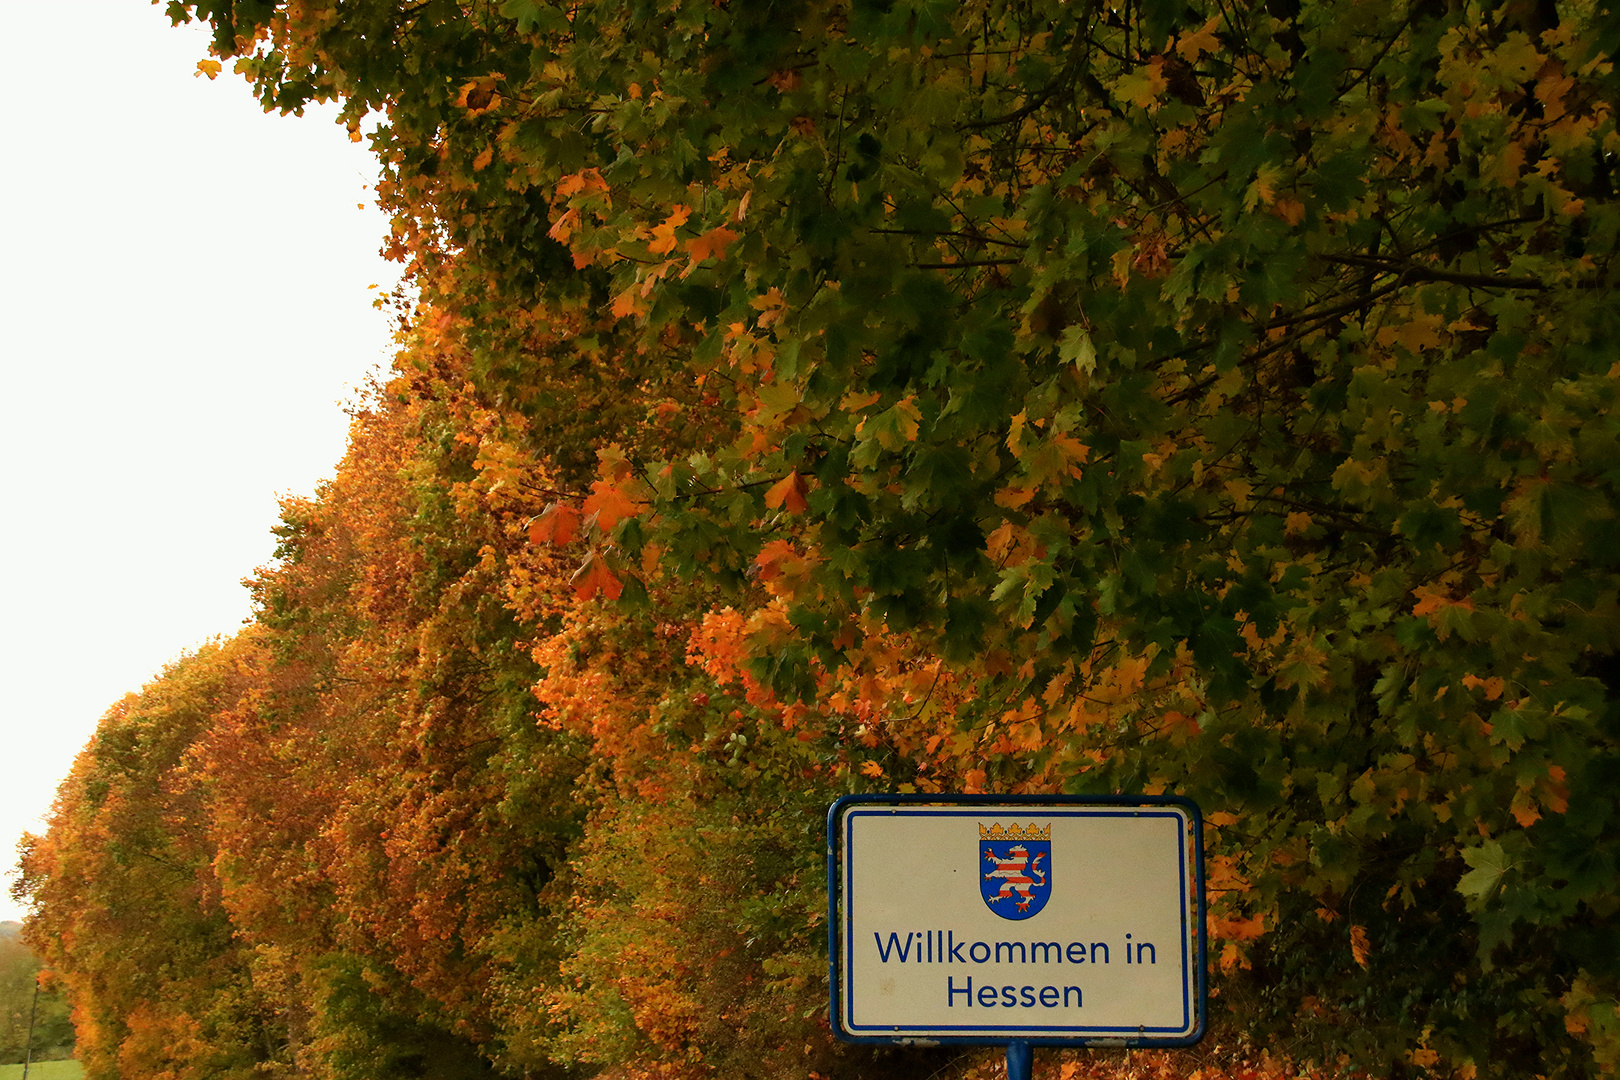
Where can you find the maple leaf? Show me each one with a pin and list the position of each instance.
(711, 244)
(479, 96)
(1202, 41)
(210, 68)
(664, 241)
(1359, 947)
(585, 180)
(1144, 86)
(593, 578)
(788, 493)
(1289, 209)
(629, 303)
(608, 505)
(557, 525)
(778, 557)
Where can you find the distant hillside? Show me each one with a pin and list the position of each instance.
(9, 930)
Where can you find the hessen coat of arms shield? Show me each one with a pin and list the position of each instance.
(1016, 869)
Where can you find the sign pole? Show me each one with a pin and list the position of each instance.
(1020, 1060)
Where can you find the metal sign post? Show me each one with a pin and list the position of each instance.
(1016, 921)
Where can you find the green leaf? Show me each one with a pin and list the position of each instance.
(1489, 865)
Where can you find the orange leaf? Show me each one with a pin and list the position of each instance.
(628, 303)
(557, 525)
(711, 244)
(1358, 945)
(789, 492)
(1430, 601)
(481, 162)
(664, 235)
(593, 577)
(776, 557)
(608, 504)
(588, 180)
(1289, 209)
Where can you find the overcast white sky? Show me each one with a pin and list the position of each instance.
(184, 302)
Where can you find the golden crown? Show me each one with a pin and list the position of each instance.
(1017, 832)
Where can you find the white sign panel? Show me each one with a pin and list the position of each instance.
(1062, 921)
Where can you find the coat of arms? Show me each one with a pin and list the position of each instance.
(1018, 864)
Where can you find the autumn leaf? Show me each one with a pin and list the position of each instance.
(586, 180)
(711, 244)
(1144, 86)
(777, 558)
(557, 525)
(1359, 947)
(1262, 191)
(1190, 47)
(608, 505)
(593, 578)
(210, 68)
(664, 240)
(788, 493)
(1289, 209)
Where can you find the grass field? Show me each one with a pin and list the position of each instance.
(44, 1070)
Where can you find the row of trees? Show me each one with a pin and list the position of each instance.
(815, 396)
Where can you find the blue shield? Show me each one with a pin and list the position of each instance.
(1015, 873)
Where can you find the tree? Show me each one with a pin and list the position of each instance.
(1018, 397)
(126, 910)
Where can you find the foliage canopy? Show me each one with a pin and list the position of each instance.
(1084, 396)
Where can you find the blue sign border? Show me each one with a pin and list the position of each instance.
(838, 929)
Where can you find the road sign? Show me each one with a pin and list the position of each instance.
(997, 919)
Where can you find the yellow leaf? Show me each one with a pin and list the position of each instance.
(1296, 523)
(1421, 333)
(1015, 435)
(908, 416)
(853, 402)
(1263, 191)
(481, 162)
(210, 68)
(1074, 452)
(1143, 86)
(1194, 45)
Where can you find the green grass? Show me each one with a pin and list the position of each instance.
(44, 1070)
